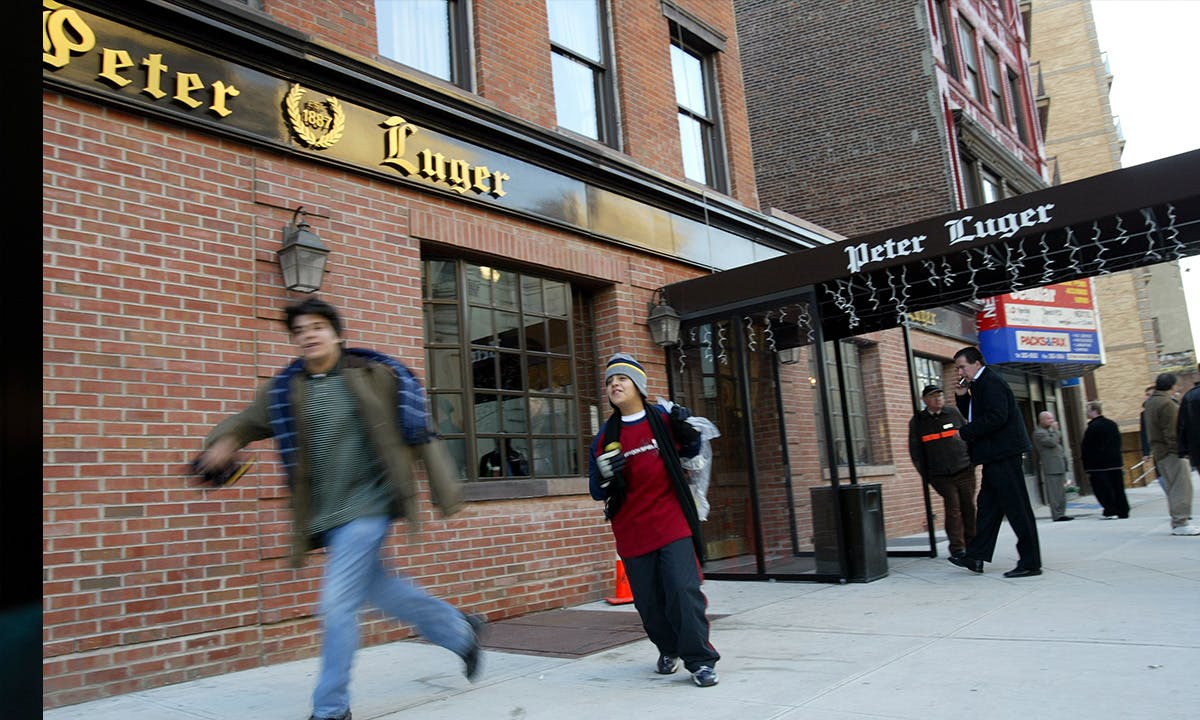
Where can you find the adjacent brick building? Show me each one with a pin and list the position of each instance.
(868, 116)
(1146, 328)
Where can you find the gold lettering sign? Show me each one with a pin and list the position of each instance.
(458, 175)
(307, 120)
(923, 317)
(65, 35)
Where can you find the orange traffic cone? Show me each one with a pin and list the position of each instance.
(624, 594)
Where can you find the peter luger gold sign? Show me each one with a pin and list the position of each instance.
(74, 42)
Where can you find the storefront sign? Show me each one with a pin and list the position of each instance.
(1052, 324)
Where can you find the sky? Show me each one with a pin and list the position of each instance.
(1153, 51)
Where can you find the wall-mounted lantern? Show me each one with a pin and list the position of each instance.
(302, 256)
(663, 322)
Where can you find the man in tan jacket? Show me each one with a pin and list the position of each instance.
(1162, 430)
(350, 424)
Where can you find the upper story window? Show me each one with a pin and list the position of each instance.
(428, 35)
(995, 84)
(1018, 119)
(583, 91)
(501, 373)
(942, 18)
(927, 372)
(966, 38)
(699, 117)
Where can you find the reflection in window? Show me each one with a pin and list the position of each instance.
(501, 377)
(695, 98)
(427, 35)
(856, 404)
(927, 372)
(580, 64)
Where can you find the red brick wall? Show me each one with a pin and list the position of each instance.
(512, 69)
(161, 316)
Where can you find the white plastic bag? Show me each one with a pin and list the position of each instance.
(700, 467)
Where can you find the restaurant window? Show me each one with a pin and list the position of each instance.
(428, 35)
(694, 73)
(1018, 120)
(579, 58)
(501, 377)
(856, 404)
(942, 18)
(966, 38)
(926, 371)
(995, 84)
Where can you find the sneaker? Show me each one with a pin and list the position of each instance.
(473, 656)
(667, 665)
(343, 716)
(1185, 530)
(705, 676)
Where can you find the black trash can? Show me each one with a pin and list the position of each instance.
(862, 525)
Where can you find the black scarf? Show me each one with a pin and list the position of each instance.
(670, 457)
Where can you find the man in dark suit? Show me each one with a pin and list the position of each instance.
(996, 438)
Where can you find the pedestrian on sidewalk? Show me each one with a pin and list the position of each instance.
(1189, 424)
(941, 458)
(1047, 440)
(996, 439)
(634, 466)
(1101, 451)
(350, 424)
(1162, 429)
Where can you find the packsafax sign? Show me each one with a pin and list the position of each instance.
(1051, 324)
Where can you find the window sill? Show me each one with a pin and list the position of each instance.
(524, 488)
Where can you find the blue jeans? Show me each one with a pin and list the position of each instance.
(354, 575)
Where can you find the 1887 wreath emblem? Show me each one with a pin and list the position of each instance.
(317, 124)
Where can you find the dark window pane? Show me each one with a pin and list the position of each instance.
(556, 298)
(558, 336)
(531, 294)
(441, 280)
(515, 418)
(560, 375)
(445, 369)
(458, 450)
(479, 284)
(447, 412)
(442, 322)
(539, 373)
(481, 329)
(505, 290)
(511, 376)
(535, 335)
(508, 329)
(487, 417)
(483, 369)
(489, 458)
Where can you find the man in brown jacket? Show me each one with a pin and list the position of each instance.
(1162, 430)
(349, 424)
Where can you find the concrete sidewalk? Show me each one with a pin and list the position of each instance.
(1110, 630)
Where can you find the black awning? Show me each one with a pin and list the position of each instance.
(1127, 218)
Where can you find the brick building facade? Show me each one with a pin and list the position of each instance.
(501, 238)
(1146, 328)
(865, 117)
